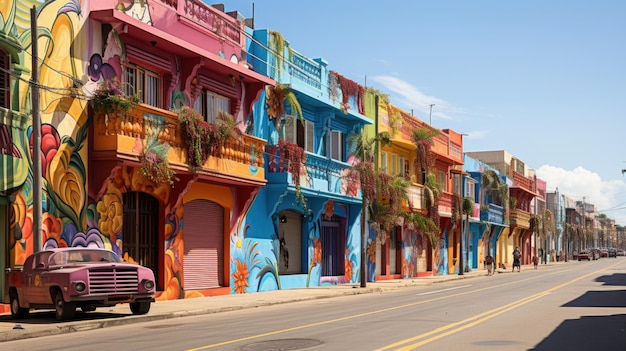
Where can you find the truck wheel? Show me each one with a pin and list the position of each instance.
(17, 312)
(64, 310)
(140, 307)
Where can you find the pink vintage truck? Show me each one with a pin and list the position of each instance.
(64, 279)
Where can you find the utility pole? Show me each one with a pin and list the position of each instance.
(34, 84)
(584, 226)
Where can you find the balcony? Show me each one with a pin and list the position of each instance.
(318, 174)
(520, 218)
(416, 197)
(493, 214)
(120, 136)
(519, 180)
(445, 203)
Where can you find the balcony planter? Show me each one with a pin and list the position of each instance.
(202, 139)
(110, 98)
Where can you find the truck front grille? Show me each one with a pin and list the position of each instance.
(113, 281)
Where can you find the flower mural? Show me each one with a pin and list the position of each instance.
(240, 277)
(111, 210)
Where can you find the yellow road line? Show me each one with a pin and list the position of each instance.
(480, 318)
(281, 331)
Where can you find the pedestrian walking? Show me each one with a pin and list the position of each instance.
(489, 265)
(535, 261)
(517, 255)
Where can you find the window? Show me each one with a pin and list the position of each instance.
(470, 189)
(296, 133)
(441, 179)
(336, 145)
(394, 165)
(406, 169)
(143, 83)
(384, 162)
(209, 104)
(456, 183)
(5, 79)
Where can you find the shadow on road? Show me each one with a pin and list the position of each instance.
(613, 279)
(607, 333)
(47, 317)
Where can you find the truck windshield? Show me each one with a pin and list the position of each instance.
(83, 256)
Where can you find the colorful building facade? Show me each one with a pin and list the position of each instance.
(305, 224)
(102, 184)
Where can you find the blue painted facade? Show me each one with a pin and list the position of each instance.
(305, 234)
(484, 232)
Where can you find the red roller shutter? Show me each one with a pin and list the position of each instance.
(203, 262)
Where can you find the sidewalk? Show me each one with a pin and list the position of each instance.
(42, 323)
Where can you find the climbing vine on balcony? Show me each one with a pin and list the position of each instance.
(348, 88)
(277, 44)
(296, 157)
(203, 139)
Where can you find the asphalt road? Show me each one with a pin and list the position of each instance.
(578, 306)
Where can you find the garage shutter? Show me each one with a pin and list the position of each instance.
(203, 261)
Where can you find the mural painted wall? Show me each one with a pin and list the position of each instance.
(78, 210)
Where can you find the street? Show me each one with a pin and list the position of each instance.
(573, 306)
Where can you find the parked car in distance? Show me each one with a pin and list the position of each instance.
(64, 279)
(612, 253)
(604, 253)
(584, 255)
(621, 252)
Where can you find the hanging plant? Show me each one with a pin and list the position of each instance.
(277, 44)
(203, 139)
(277, 98)
(349, 88)
(109, 97)
(423, 140)
(296, 157)
(154, 162)
(329, 209)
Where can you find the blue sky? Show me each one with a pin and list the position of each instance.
(543, 80)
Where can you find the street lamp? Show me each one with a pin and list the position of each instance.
(431, 120)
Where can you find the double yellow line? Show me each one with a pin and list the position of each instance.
(460, 325)
(456, 327)
(436, 334)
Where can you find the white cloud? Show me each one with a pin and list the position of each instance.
(408, 97)
(580, 182)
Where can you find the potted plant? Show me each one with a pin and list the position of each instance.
(110, 98)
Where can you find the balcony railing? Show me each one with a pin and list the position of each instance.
(120, 133)
(520, 218)
(317, 173)
(493, 214)
(416, 197)
(445, 203)
(523, 182)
